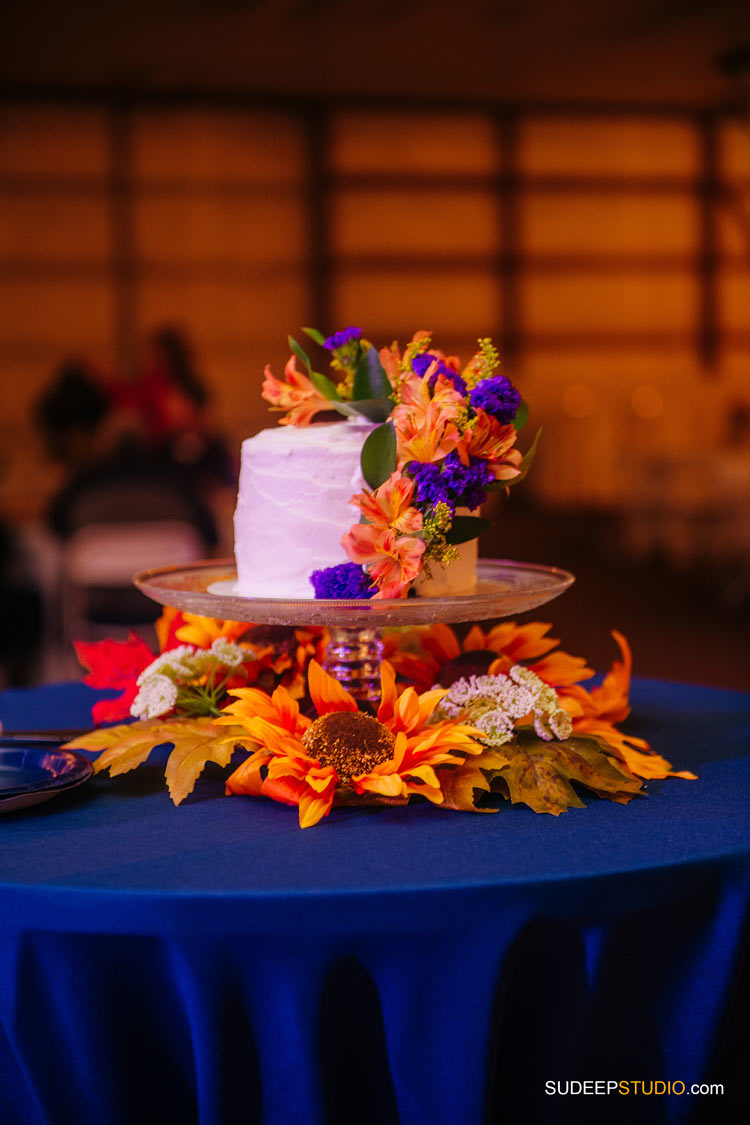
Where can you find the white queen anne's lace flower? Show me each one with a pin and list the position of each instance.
(494, 703)
(497, 725)
(176, 662)
(230, 654)
(157, 696)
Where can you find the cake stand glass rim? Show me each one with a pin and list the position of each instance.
(505, 587)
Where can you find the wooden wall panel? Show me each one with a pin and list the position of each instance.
(55, 230)
(734, 301)
(607, 146)
(442, 221)
(618, 303)
(217, 311)
(217, 146)
(53, 143)
(734, 151)
(68, 314)
(256, 232)
(623, 224)
(402, 143)
(454, 303)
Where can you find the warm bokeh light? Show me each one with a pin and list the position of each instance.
(579, 401)
(647, 402)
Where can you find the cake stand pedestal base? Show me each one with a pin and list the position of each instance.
(353, 657)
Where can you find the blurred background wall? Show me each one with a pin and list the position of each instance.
(572, 179)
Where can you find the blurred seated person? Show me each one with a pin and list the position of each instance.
(164, 408)
(114, 474)
(71, 413)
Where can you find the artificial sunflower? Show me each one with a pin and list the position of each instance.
(434, 654)
(344, 756)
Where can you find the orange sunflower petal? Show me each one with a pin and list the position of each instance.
(412, 710)
(442, 643)
(163, 625)
(326, 693)
(611, 698)
(435, 796)
(286, 708)
(387, 785)
(252, 703)
(474, 639)
(247, 779)
(312, 808)
(387, 692)
(521, 642)
(426, 774)
(561, 668)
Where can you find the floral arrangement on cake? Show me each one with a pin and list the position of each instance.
(501, 716)
(445, 439)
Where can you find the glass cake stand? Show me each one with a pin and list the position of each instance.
(208, 588)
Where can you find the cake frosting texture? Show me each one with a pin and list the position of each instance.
(293, 505)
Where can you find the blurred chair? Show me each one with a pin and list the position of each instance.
(97, 568)
(111, 522)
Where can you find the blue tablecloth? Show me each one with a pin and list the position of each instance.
(213, 963)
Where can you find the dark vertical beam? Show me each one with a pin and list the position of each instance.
(316, 127)
(123, 235)
(509, 260)
(708, 250)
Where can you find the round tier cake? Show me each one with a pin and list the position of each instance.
(293, 505)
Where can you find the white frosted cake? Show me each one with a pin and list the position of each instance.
(293, 505)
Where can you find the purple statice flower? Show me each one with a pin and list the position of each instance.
(468, 483)
(421, 364)
(346, 581)
(429, 486)
(496, 396)
(451, 482)
(342, 338)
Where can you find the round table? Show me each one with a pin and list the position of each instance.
(214, 963)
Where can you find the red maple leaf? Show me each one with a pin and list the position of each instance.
(114, 664)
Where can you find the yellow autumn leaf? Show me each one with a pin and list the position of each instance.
(195, 742)
(123, 747)
(459, 783)
(539, 773)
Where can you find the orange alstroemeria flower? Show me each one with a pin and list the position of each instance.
(394, 363)
(393, 562)
(283, 769)
(297, 395)
(425, 424)
(493, 441)
(417, 396)
(389, 506)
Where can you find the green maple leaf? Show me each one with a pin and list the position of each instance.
(539, 773)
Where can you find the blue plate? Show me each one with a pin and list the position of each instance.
(30, 774)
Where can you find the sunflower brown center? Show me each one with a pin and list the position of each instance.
(350, 741)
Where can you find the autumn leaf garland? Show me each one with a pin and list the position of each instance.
(511, 734)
